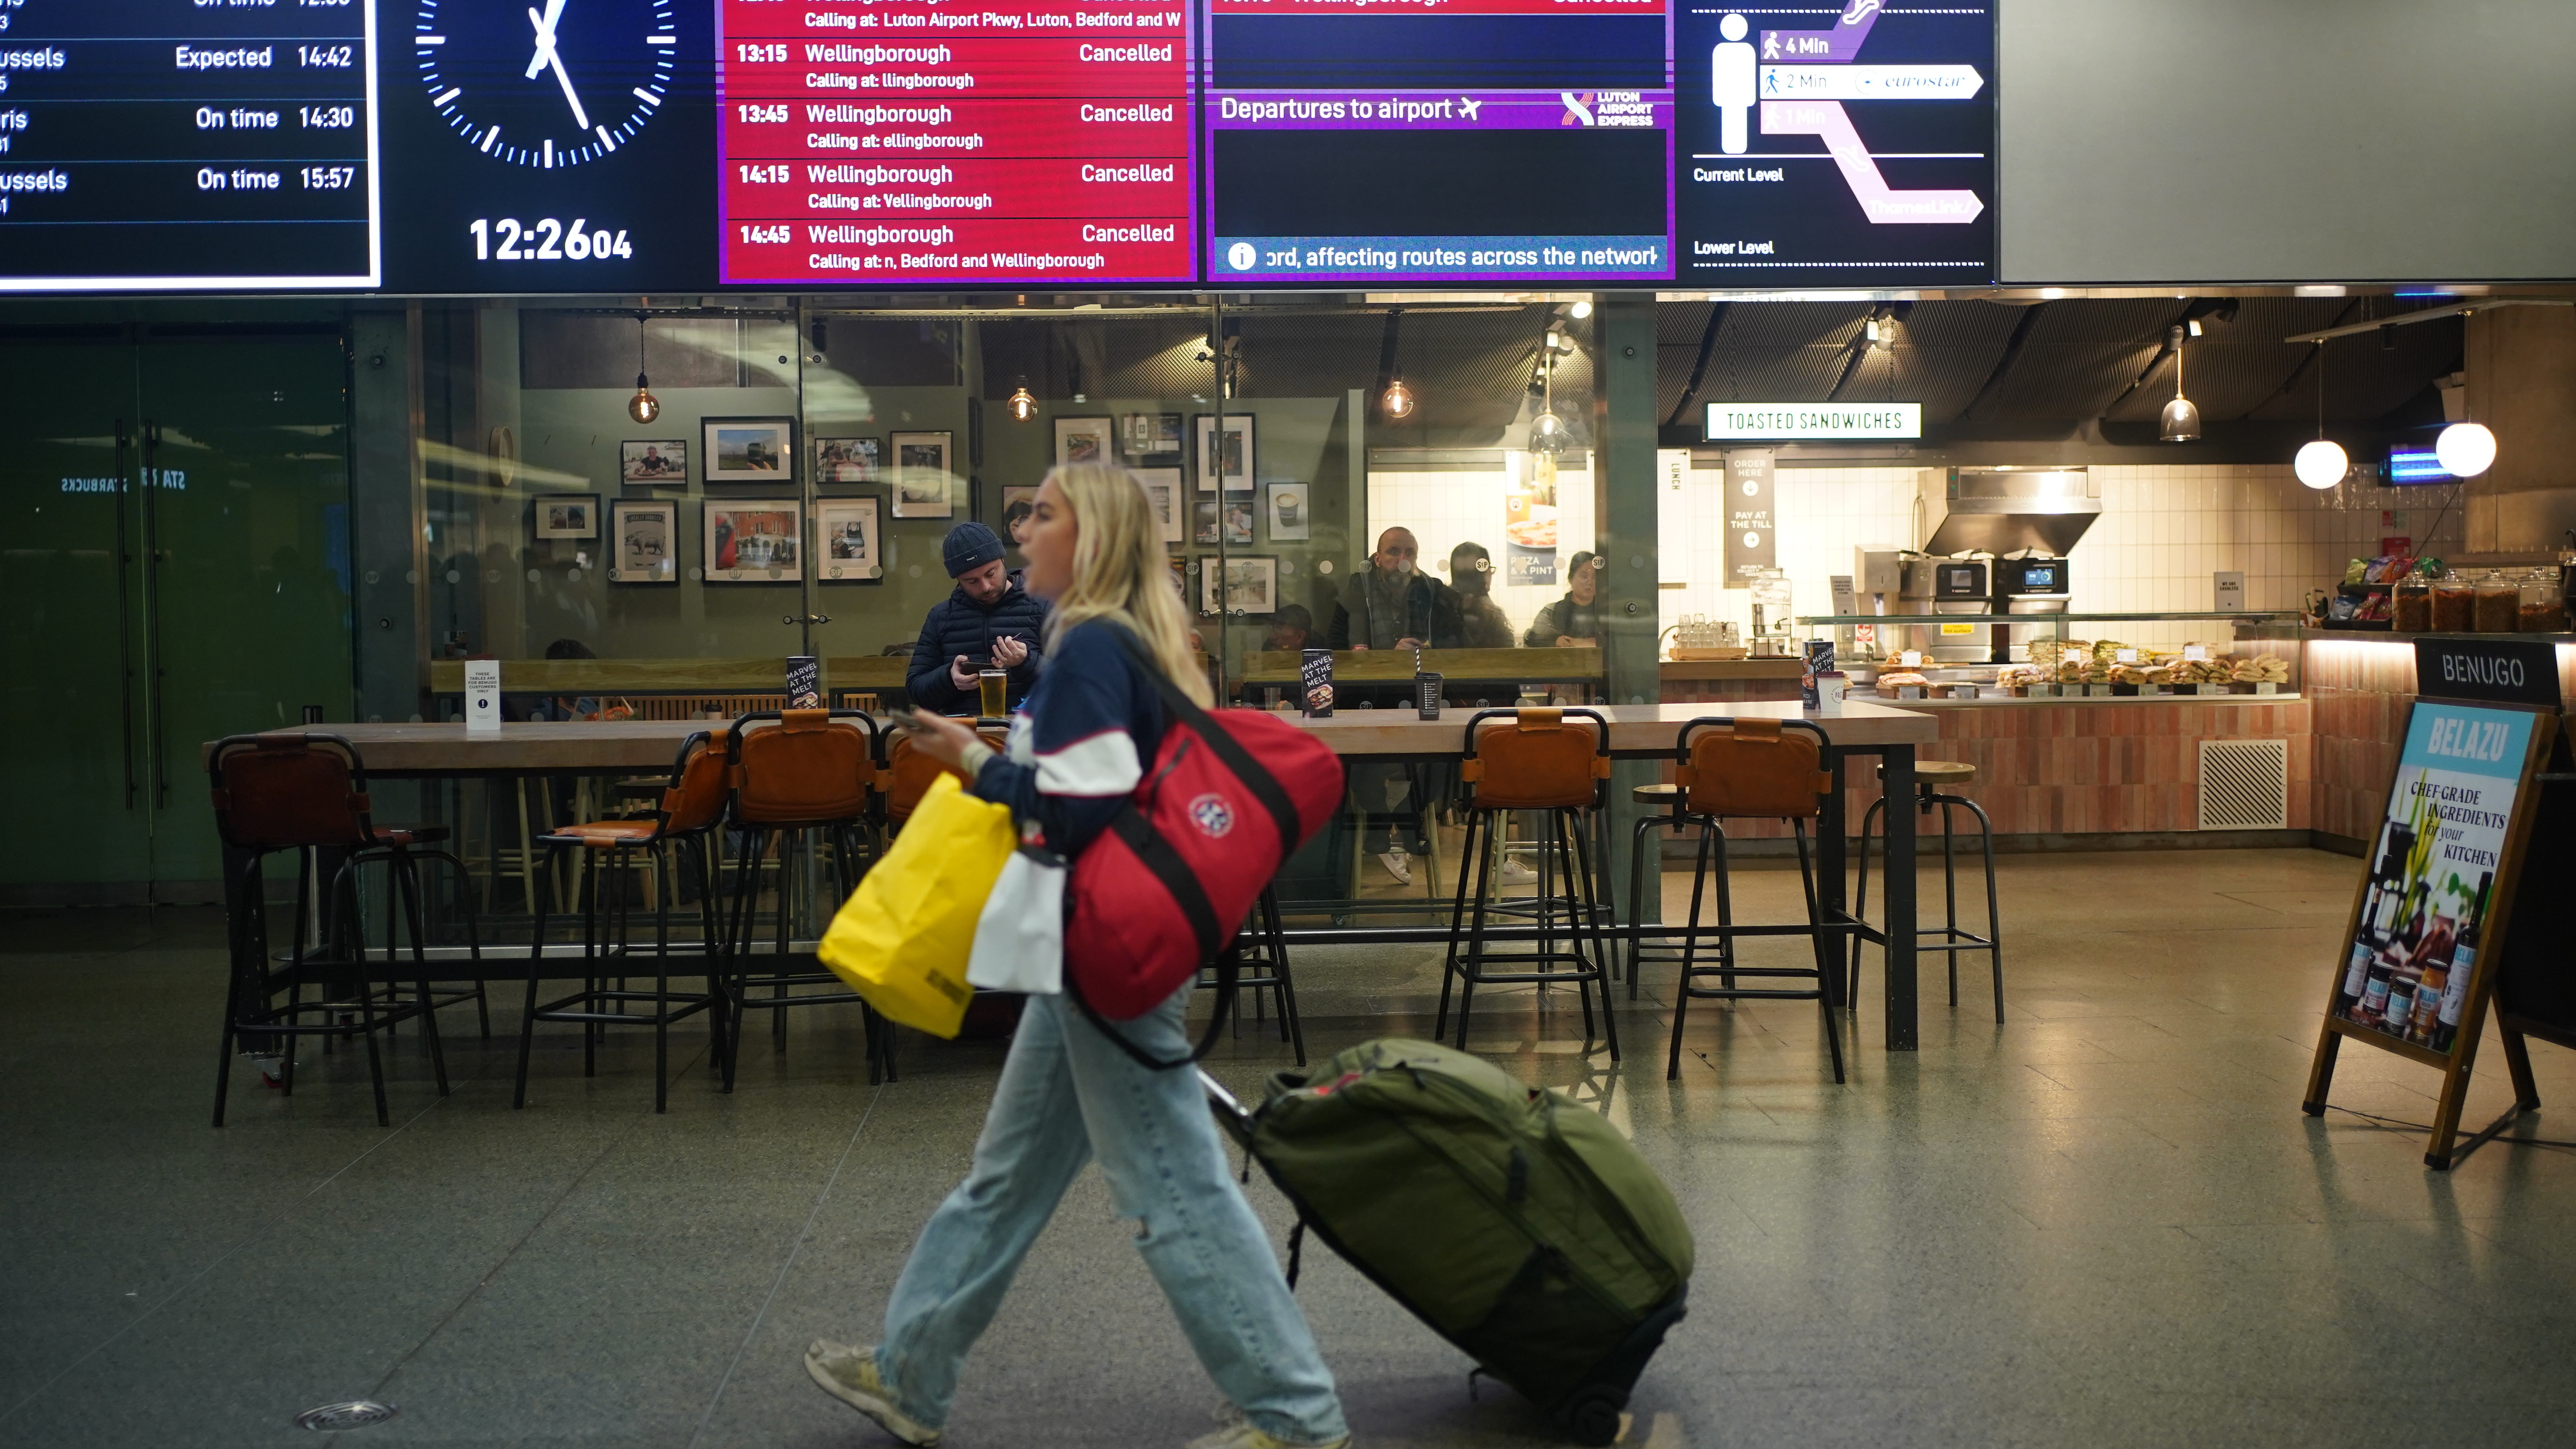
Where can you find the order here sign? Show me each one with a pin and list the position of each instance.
(1814, 420)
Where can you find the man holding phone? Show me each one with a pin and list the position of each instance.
(989, 621)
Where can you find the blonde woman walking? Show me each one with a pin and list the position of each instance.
(1067, 1092)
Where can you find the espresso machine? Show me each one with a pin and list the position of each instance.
(2032, 584)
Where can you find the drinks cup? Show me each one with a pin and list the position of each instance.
(995, 685)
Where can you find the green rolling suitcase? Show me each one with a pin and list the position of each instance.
(1520, 1226)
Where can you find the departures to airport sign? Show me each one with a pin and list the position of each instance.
(1813, 420)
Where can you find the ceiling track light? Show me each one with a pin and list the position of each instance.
(2180, 422)
(643, 407)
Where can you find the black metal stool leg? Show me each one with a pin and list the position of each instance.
(1860, 904)
(1690, 944)
(407, 879)
(1994, 946)
(1470, 877)
(1474, 961)
(1825, 955)
(1602, 963)
(536, 964)
(1279, 967)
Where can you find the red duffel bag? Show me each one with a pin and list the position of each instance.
(1228, 797)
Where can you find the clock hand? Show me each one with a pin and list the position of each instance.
(545, 35)
(548, 55)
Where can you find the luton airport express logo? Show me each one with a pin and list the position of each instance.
(1213, 816)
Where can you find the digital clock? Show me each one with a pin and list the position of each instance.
(550, 84)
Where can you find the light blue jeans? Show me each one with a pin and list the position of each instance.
(1067, 1093)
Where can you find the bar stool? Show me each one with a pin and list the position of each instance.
(1949, 938)
(796, 774)
(308, 793)
(1667, 798)
(1764, 769)
(908, 773)
(1261, 951)
(691, 805)
(1555, 763)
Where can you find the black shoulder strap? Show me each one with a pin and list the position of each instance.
(1255, 776)
(1229, 969)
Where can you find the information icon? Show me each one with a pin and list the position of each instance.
(1240, 256)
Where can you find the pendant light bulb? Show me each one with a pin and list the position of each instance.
(2321, 464)
(1398, 400)
(1579, 310)
(1023, 404)
(643, 407)
(2180, 422)
(2465, 449)
(1547, 433)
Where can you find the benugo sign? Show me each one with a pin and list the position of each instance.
(1813, 420)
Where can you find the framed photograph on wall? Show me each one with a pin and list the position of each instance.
(653, 460)
(845, 540)
(1238, 461)
(567, 515)
(750, 450)
(755, 541)
(1084, 440)
(1291, 511)
(848, 460)
(923, 485)
(1237, 516)
(1163, 487)
(1017, 504)
(644, 542)
(1251, 585)
(1152, 437)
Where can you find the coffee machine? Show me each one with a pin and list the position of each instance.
(2030, 584)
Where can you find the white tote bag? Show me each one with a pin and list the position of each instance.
(1019, 940)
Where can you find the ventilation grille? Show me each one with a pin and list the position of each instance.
(2244, 784)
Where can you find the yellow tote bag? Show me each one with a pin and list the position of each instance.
(903, 937)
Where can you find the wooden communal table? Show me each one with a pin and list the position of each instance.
(1637, 732)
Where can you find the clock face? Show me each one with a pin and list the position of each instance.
(549, 83)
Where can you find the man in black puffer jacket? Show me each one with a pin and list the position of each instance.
(991, 617)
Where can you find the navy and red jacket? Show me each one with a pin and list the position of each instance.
(1078, 748)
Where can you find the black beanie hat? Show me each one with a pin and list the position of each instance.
(970, 546)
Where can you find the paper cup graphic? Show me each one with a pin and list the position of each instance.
(1289, 506)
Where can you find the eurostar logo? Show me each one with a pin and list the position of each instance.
(1578, 108)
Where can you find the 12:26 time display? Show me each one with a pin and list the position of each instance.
(548, 241)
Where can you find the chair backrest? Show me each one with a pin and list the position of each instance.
(908, 773)
(1752, 767)
(801, 766)
(285, 790)
(1536, 759)
(696, 797)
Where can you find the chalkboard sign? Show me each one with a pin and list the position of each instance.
(2506, 671)
(2429, 921)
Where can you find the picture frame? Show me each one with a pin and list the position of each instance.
(1085, 440)
(853, 459)
(848, 546)
(1290, 507)
(644, 541)
(1251, 586)
(754, 540)
(1237, 515)
(1018, 503)
(1151, 437)
(749, 450)
(1163, 489)
(1239, 462)
(566, 515)
(653, 460)
(924, 484)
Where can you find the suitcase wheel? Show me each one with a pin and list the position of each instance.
(1592, 1415)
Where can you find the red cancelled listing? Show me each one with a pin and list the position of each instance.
(894, 141)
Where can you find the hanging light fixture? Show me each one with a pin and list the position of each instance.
(1398, 399)
(643, 407)
(2321, 464)
(2465, 449)
(1580, 310)
(1547, 430)
(1022, 404)
(2181, 420)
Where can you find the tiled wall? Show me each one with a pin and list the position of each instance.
(1445, 509)
(2162, 532)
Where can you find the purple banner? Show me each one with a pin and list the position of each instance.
(1345, 110)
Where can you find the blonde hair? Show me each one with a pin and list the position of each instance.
(1119, 572)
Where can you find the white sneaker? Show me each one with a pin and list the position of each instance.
(1515, 873)
(850, 1375)
(1399, 865)
(1244, 1436)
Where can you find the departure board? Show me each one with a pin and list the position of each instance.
(1472, 140)
(921, 142)
(175, 145)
